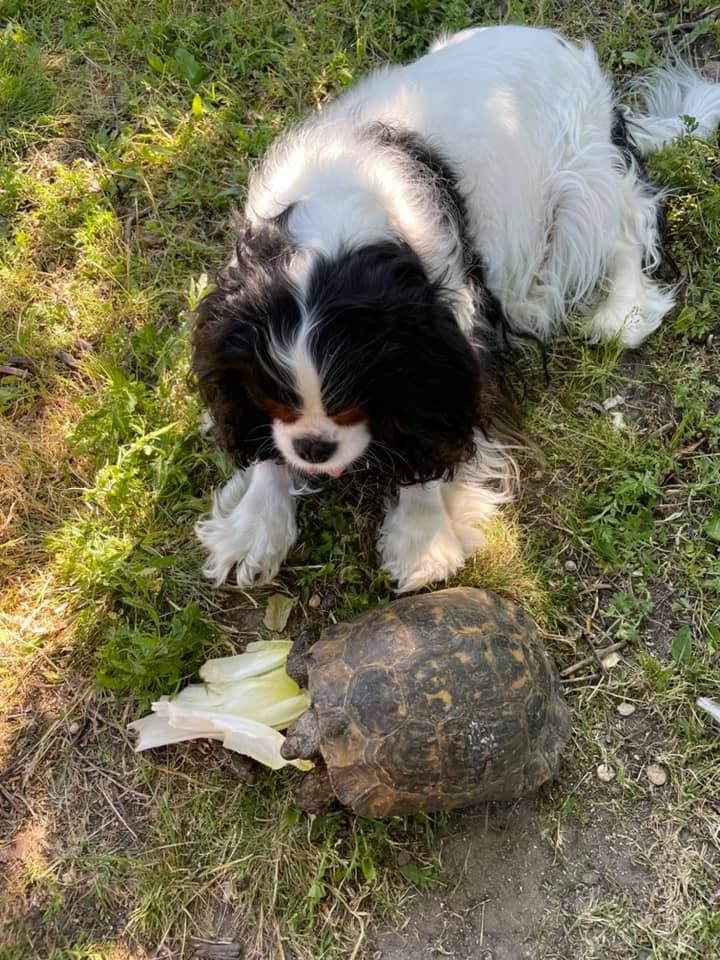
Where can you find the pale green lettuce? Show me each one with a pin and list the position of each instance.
(245, 702)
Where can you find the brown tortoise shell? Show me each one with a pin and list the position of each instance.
(436, 701)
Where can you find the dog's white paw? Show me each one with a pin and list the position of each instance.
(418, 546)
(251, 527)
(437, 564)
(469, 507)
(256, 546)
(630, 318)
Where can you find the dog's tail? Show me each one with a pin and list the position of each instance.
(674, 99)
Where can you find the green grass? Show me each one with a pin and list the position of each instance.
(126, 134)
(26, 92)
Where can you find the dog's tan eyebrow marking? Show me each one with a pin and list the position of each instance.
(279, 412)
(348, 417)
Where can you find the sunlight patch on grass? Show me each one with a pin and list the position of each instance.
(503, 566)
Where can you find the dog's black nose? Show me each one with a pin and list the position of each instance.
(313, 449)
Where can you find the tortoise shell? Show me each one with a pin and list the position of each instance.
(436, 701)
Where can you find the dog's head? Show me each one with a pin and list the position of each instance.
(332, 361)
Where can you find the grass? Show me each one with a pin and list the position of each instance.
(126, 133)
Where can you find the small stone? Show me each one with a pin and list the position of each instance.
(591, 878)
(570, 566)
(605, 772)
(74, 728)
(626, 709)
(314, 601)
(611, 402)
(618, 420)
(656, 774)
(611, 660)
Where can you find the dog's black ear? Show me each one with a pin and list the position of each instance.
(423, 422)
(223, 369)
(230, 336)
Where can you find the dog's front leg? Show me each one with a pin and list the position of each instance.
(432, 528)
(635, 305)
(417, 542)
(251, 525)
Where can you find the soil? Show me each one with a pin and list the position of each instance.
(517, 876)
(513, 889)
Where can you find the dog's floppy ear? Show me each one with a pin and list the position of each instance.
(223, 369)
(230, 336)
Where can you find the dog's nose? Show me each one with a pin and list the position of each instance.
(313, 449)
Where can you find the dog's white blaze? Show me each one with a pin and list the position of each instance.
(296, 360)
(305, 374)
(352, 440)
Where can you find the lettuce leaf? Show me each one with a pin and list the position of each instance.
(246, 700)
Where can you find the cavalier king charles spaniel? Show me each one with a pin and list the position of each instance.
(391, 250)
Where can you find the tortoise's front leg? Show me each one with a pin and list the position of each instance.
(296, 664)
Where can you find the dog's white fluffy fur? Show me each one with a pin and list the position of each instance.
(524, 117)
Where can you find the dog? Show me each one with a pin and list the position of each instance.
(392, 249)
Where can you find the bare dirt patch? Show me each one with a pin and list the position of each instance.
(515, 879)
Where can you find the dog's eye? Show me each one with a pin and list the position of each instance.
(348, 417)
(280, 412)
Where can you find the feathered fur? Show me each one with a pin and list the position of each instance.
(393, 247)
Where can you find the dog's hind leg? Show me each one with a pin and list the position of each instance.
(634, 303)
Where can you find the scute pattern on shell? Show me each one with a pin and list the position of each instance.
(436, 701)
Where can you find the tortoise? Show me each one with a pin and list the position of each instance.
(432, 702)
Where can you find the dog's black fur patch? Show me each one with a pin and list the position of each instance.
(232, 362)
(398, 354)
(621, 137)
